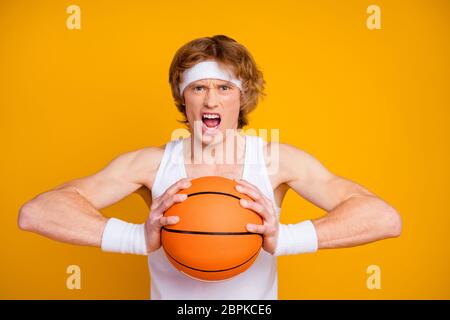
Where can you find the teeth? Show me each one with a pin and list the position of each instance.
(211, 116)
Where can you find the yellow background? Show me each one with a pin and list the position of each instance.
(372, 106)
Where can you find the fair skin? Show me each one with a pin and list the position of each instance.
(70, 212)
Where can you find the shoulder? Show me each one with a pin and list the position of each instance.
(143, 163)
(150, 156)
(285, 153)
(291, 163)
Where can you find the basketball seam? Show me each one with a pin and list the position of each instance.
(210, 233)
(203, 232)
(223, 270)
(213, 192)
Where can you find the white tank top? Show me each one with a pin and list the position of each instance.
(259, 281)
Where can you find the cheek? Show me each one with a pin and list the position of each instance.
(232, 105)
(192, 99)
(192, 104)
(233, 112)
(190, 113)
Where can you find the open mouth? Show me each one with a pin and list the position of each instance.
(211, 120)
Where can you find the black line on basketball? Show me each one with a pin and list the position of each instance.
(213, 270)
(213, 192)
(209, 233)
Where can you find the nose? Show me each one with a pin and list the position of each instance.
(211, 97)
(211, 100)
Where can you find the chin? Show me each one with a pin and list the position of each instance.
(206, 134)
(215, 138)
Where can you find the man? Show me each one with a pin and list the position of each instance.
(215, 83)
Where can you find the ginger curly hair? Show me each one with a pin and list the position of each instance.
(229, 52)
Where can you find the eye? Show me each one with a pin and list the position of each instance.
(225, 87)
(198, 88)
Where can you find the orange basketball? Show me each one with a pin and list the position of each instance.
(211, 242)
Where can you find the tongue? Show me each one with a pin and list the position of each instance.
(211, 123)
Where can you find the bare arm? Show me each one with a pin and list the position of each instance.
(355, 216)
(70, 212)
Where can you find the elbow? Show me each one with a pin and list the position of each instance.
(394, 224)
(26, 217)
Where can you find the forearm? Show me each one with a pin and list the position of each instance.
(358, 220)
(63, 215)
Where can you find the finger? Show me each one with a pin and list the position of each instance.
(248, 186)
(164, 221)
(168, 202)
(257, 196)
(256, 228)
(172, 190)
(155, 203)
(258, 208)
(177, 186)
(250, 192)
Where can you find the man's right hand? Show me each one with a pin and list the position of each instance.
(156, 220)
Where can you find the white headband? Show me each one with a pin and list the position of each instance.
(207, 70)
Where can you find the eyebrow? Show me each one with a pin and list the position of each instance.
(222, 83)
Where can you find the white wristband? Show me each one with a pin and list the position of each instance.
(123, 237)
(296, 238)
